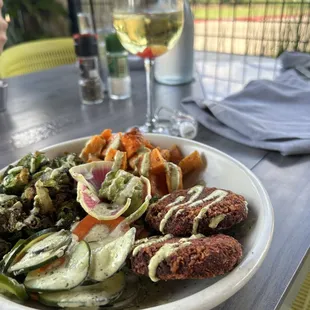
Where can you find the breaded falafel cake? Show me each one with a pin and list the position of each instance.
(197, 210)
(196, 257)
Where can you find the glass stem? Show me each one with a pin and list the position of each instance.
(149, 70)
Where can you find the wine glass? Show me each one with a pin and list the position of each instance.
(148, 28)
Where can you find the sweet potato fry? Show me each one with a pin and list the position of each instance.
(143, 165)
(94, 146)
(122, 158)
(148, 144)
(116, 155)
(106, 134)
(165, 154)
(113, 143)
(135, 159)
(175, 154)
(158, 163)
(132, 141)
(92, 158)
(191, 162)
(132, 162)
(158, 185)
(110, 154)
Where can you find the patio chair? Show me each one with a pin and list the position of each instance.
(36, 56)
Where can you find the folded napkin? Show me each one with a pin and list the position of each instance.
(273, 115)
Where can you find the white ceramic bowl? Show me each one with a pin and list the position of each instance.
(255, 235)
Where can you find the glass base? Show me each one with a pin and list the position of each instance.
(86, 102)
(160, 129)
(174, 81)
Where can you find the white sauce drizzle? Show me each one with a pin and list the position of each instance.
(118, 159)
(16, 170)
(179, 212)
(70, 159)
(32, 165)
(162, 198)
(147, 242)
(220, 194)
(192, 237)
(133, 162)
(174, 174)
(216, 220)
(97, 233)
(4, 197)
(145, 165)
(164, 252)
(111, 187)
(114, 144)
(195, 191)
(127, 191)
(56, 172)
(178, 200)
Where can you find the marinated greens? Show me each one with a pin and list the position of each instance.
(37, 193)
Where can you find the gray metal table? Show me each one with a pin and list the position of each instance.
(44, 109)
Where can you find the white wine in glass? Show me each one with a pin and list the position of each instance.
(148, 28)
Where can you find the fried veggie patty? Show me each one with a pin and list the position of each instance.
(197, 210)
(197, 257)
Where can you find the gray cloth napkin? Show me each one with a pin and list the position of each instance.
(273, 115)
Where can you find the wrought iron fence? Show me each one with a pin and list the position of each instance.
(262, 28)
(237, 40)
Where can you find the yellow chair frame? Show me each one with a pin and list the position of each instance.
(36, 56)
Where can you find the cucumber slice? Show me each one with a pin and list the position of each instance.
(65, 277)
(34, 261)
(107, 259)
(43, 252)
(94, 295)
(19, 251)
(128, 296)
(9, 257)
(52, 242)
(9, 286)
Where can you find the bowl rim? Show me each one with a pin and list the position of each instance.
(197, 301)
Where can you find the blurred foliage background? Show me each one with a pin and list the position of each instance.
(35, 19)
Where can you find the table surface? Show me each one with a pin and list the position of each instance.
(44, 109)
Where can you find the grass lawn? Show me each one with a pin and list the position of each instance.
(213, 11)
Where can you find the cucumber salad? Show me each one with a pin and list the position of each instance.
(68, 224)
(81, 267)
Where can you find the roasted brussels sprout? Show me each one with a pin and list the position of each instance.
(4, 247)
(37, 193)
(42, 200)
(27, 196)
(14, 183)
(69, 160)
(7, 201)
(67, 213)
(12, 218)
(33, 162)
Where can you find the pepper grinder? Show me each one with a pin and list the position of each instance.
(90, 84)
